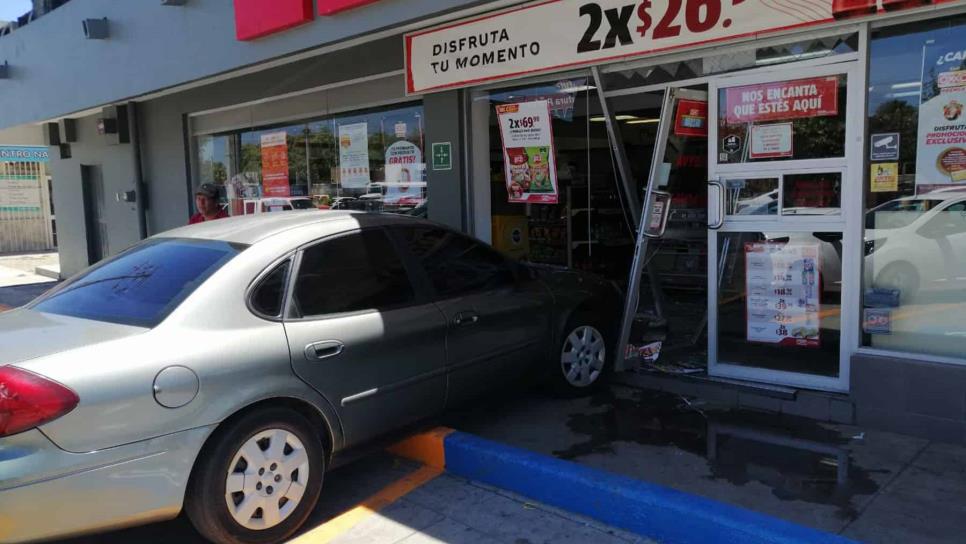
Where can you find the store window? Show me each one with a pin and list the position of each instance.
(914, 274)
(552, 193)
(371, 160)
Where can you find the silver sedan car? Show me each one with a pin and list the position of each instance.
(221, 368)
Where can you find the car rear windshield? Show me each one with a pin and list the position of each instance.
(141, 286)
(302, 204)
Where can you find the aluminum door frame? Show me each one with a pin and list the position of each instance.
(848, 223)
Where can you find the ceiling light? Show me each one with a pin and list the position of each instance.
(578, 89)
(909, 85)
(643, 121)
(787, 58)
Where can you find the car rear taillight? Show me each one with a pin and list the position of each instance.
(28, 400)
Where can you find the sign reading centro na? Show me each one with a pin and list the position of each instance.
(558, 34)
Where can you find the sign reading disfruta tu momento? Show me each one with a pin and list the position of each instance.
(559, 34)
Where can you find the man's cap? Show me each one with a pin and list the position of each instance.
(209, 190)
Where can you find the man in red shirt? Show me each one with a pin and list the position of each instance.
(206, 200)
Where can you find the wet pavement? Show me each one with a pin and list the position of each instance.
(867, 485)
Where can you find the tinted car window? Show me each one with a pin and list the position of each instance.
(360, 271)
(141, 286)
(267, 297)
(303, 204)
(457, 264)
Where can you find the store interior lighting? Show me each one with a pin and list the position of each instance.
(619, 118)
(643, 121)
(789, 58)
(579, 89)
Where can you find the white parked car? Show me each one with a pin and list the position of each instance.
(278, 204)
(917, 244)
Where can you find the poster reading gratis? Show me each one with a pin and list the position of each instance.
(354, 155)
(783, 293)
(941, 150)
(528, 152)
(274, 146)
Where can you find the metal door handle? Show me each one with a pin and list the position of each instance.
(465, 318)
(323, 350)
(720, 201)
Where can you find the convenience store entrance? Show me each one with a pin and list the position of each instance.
(778, 200)
(771, 236)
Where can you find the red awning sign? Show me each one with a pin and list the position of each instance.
(780, 100)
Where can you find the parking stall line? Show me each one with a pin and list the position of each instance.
(344, 522)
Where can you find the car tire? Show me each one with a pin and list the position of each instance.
(901, 276)
(583, 359)
(259, 480)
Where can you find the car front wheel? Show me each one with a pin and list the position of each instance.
(583, 358)
(260, 480)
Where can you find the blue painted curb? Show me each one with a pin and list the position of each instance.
(650, 510)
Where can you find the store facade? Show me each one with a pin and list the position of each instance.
(799, 164)
(808, 162)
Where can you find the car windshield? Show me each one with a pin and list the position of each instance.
(302, 204)
(896, 214)
(141, 286)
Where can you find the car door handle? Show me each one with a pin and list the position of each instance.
(466, 318)
(323, 350)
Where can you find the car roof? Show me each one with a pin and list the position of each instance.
(251, 229)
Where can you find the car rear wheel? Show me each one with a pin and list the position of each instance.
(260, 480)
(583, 358)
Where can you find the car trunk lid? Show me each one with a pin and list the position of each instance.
(26, 334)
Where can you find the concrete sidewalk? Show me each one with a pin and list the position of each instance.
(865, 485)
(446, 509)
(24, 277)
(29, 268)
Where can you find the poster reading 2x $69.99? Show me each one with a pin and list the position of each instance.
(529, 159)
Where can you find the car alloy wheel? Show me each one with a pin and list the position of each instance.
(266, 479)
(583, 356)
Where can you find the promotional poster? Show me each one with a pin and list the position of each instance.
(404, 163)
(941, 150)
(781, 100)
(354, 155)
(528, 152)
(783, 293)
(274, 147)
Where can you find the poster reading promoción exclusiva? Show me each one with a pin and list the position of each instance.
(528, 152)
(941, 150)
(784, 300)
(274, 146)
(354, 155)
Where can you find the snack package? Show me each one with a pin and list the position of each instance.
(539, 162)
(520, 180)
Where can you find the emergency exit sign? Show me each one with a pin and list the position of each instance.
(442, 156)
